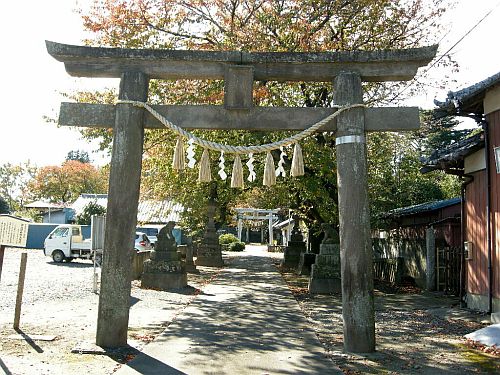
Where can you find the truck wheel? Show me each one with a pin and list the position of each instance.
(58, 256)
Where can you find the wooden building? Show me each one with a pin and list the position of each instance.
(406, 237)
(477, 161)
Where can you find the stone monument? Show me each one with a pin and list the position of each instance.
(325, 272)
(296, 246)
(209, 250)
(190, 266)
(164, 270)
(306, 261)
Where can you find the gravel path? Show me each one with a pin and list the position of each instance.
(58, 300)
(414, 333)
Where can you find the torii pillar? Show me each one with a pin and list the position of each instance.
(239, 70)
(121, 216)
(356, 255)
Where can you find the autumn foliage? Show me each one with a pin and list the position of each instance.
(66, 182)
(257, 26)
(264, 25)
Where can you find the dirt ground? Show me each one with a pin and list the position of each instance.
(417, 333)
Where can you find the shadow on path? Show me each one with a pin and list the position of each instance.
(246, 322)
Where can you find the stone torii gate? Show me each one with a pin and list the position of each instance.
(256, 214)
(239, 70)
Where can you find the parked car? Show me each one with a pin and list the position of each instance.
(151, 231)
(142, 242)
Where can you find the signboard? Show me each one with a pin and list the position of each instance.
(13, 231)
(98, 226)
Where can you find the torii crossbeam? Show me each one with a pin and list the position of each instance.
(239, 70)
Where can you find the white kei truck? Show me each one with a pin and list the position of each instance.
(66, 242)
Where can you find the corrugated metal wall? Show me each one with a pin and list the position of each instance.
(37, 234)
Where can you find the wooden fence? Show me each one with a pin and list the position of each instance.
(448, 269)
(138, 263)
(388, 269)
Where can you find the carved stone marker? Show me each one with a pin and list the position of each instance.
(296, 246)
(306, 261)
(164, 270)
(190, 266)
(209, 251)
(325, 272)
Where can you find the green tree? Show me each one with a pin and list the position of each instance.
(266, 25)
(92, 208)
(14, 181)
(4, 206)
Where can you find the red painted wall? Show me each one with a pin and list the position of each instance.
(475, 207)
(477, 267)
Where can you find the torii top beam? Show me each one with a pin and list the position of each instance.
(239, 70)
(372, 66)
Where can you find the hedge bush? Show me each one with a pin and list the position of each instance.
(226, 239)
(237, 246)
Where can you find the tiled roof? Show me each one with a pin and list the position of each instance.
(44, 205)
(424, 207)
(468, 100)
(452, 157)
(84, 199)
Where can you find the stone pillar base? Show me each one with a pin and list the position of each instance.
(325, 272)
(164, 281)
(325, 286)
(191, 268)
(305, 263)
(182, 249)
(164, 272)
(209, 257)
(291, 255)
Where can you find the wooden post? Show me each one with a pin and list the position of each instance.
(430, 241)
(354, 215)
(20, 290)
(2, 253)
(271, 239)
(121, 214)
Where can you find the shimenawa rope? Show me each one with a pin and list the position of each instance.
(270, 173)
(229, 149)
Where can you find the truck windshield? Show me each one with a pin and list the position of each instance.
(60, 232)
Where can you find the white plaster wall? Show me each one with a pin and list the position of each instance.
(492, 100)
(475, 162)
